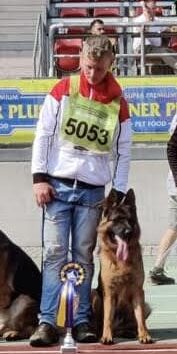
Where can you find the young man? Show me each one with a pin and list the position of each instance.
(153, 44)
(83, 121)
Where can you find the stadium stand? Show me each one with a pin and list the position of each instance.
(158, 11)
(106, 11)
(173, 43)
(18, 21)
(48, 33)
(68, 50)
(173, 39)
(117, 16)
(74, 12)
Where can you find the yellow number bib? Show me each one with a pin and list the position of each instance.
(89, 124)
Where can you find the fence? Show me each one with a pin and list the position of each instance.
(126, 59)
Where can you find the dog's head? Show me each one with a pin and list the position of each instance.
(121, 216)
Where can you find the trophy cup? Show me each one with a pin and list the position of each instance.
(72, 274)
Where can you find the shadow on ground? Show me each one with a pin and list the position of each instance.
(164, 334)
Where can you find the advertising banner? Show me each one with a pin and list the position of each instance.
(152, 105)
(20, 104)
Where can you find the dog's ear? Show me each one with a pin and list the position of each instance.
(115, 196)
(112, 196)
(130, 197)
(113, 199)
(109, 201)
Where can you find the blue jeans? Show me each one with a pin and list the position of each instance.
(72, 212)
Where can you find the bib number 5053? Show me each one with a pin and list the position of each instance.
(81, 129)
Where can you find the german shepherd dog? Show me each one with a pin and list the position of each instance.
(120, 295)
(20, 291)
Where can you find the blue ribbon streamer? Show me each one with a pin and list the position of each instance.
(70, 301)
(66, 307)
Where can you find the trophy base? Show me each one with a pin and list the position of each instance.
(68, 350)
(69, 346)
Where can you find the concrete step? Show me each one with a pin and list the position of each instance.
(13, 37)
(16, 66)
(21, 8)
(18, 20)
(12, 46)
(16, 54)
(16, 30)
(5, 23)
(22, 2)
(19, 15)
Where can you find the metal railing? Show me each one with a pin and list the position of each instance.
(125, 33)
(127, 8)
(122, 5)
(40, 49)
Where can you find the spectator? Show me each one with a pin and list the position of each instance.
(157, 274)
(97, 27)
(83, 120)
(153, 44)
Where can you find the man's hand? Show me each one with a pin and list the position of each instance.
(173, 29)
(43, 192)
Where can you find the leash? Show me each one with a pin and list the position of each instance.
(42, 236)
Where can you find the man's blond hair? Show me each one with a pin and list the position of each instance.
(97, 46)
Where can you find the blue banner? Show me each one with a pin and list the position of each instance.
(18, 110)
(151, 108)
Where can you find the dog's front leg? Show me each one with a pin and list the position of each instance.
(139, 306)
(107, 337)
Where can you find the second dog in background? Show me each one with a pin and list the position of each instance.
(20, 291)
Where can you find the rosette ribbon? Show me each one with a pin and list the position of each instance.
(72, 275)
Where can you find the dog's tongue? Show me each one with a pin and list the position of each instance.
(122, 249)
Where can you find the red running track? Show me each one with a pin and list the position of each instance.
(164, 348)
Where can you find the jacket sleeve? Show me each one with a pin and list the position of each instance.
(45, 135)
(172, 154)
(122, 161)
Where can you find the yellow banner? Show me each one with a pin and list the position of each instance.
(152, 105)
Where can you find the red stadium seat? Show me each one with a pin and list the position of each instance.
(106, 12)
(73, 12)
(67, 47)
(157, 11)
(76, 30)
(173, 43)
(138, 11)
(106, 1)
(110, 30)
(75, 1)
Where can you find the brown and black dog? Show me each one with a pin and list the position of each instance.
(120, 294)
(20, 291)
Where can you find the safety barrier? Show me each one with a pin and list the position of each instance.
(125, 33)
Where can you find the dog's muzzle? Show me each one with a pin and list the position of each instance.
(124, 233)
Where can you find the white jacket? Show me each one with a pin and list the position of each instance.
(49, 159)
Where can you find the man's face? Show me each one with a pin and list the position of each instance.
(150, 4)
(95, 70)
(97, 29)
